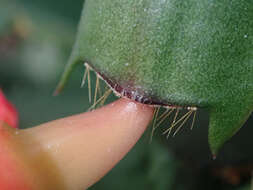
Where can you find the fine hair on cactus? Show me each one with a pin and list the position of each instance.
(99, 95)
(173, 54)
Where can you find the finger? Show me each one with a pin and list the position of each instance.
(75, 152)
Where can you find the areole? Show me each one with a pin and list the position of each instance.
(173, 52)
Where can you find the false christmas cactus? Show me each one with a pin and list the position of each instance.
(173, 53)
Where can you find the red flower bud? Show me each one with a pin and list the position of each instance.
(8, 113)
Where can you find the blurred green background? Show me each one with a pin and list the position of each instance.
(36, 38)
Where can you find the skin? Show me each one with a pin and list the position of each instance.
(73, 152)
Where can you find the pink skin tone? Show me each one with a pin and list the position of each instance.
(73, 152)
(12, 172)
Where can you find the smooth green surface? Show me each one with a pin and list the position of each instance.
(196, 53)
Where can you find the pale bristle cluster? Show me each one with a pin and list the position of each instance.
(101, 94)
(177, 122)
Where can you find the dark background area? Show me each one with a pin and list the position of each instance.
(36, 38)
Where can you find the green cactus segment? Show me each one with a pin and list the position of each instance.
(72, 62)
(189, 53)
(226, 121)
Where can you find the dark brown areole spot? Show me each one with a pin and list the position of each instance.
(132, 93)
